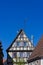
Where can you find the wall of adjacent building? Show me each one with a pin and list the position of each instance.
(41, 61)
(37, 62)
(5, 63)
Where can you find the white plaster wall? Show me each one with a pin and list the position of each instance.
(41, 61)
(37, 62)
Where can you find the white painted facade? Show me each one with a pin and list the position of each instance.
(37, 62)
(22, 43)
(41, 61)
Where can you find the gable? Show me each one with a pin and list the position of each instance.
(21, 41)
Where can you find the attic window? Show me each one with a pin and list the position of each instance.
(37, 61)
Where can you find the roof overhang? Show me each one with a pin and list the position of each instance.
(34, 59)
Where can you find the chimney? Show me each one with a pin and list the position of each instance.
(32, 39)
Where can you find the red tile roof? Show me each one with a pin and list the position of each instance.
(4, 60)
(38, 51)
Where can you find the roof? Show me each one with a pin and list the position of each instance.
(14, 40)
(38, 51)
(4, 60)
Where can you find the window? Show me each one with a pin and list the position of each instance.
(18, 43)
(37, 61)
(21, 43)
(27, 44)
(24, 44)
(14, 55)
(25, 54)
(18, 54)
(21, 54)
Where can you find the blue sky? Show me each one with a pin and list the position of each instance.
(12, 16)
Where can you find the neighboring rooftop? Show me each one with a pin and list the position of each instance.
(38, 51)
(4, 60)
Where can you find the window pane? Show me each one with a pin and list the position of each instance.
(18, 44)
(18, 54)
(14, 55)
(21, 43)
(25, 54)
(24, 44)
(21, 54)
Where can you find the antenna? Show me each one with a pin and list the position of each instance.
(18, 28)
(20, 25)
(25, 21)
